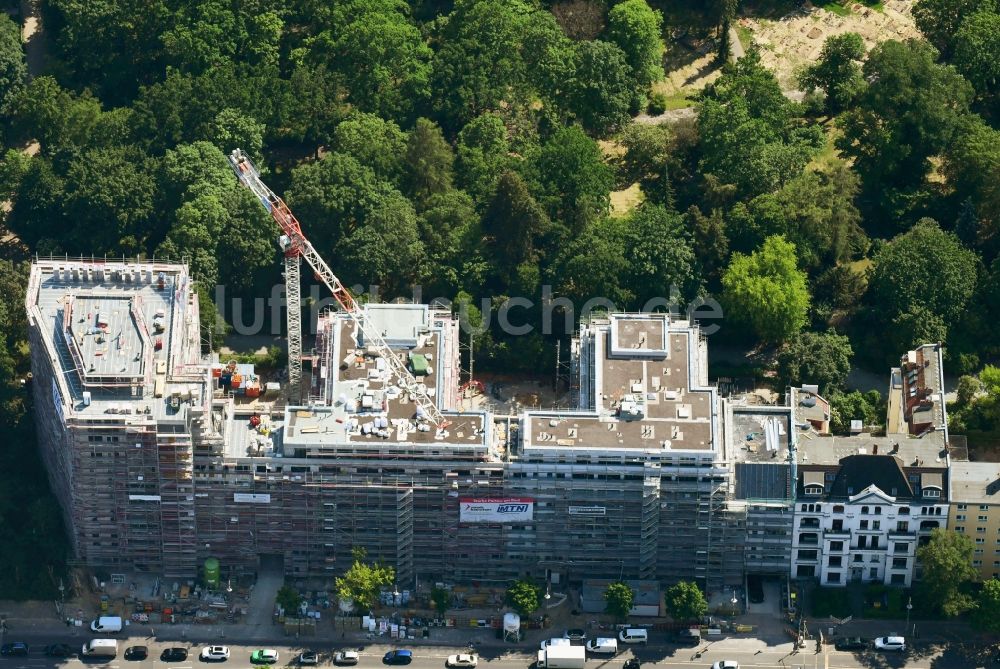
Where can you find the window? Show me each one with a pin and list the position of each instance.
(960, 516)
(984, 507)
(899, 563)
(978, 551)
(899, 579)
(805, 571)
(836, 546)
(864, 510)
(960, 528)
(874, 542)
(982, 518)
(904, 510)
(900, 548)
(864, 524)
(980, 540)
(834, 561)
(876, 524)
(962, 507)
(838, 525)
(931, 492)
(902, 526)
(858, 557)
(862, 542)
(977, 563)
(878, 511)
(980, 530)
(814, 490)
(807, 554)
(833, 577)
(838, 508)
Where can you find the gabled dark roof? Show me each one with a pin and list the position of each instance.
(857, 472)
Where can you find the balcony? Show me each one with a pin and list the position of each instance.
(808, 539)
(811, 523)
(836, 534)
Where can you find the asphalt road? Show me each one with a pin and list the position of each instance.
(750, 653)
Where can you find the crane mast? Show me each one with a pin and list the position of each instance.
(295, 245)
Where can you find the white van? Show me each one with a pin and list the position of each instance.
(100, 648)
(603, 646)
(633, 635)
(107, 625)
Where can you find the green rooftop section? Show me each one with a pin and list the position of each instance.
(418, 363)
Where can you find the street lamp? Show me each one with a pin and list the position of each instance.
(909, 607)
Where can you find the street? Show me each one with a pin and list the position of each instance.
(750, 653)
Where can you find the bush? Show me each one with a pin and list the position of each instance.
(830, 603)
(657, 104)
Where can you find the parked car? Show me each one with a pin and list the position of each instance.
(176, 654)
(136, 653)
(726, 664)
(850, 643)
(308, 658)
(398, 657)
(214, 654)
(264, 656)
(461, 660)
(686, 637)
(59, 650)
(575, 634)
(895, 643)
(346, 657)
(632, 663)
(554, 642)
(15, 649)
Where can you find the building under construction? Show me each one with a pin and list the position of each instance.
(160, 464)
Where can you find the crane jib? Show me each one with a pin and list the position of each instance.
(299, 246)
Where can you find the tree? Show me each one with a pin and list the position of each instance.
(986, 615)
(288, 598)
(939, 20)
(575, 181)
(837, 72)
(710, 242)
(947, 569)
(513, 224)
(749, 137)
(977, 52)
(766, 291)
(813, 357)
(647, 152)
(362, 582)
(909, 112)
(483, 154)
(685, 602)
(373, 142)
(636, 29)
(603, 87)
(234, 129)
(13, 69)
(969, 160)
(845, 407)
(659, 254)
(593, 264)
(381, 55)
(441, 599)
(428, 161)
(967, 389)
(524, 597)
(618, 597)
(924, 268)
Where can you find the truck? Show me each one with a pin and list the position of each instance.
(100, 648)
(107, 625)
(562, 657)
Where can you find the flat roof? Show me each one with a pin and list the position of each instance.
(926, 451)
(646, 397)
(761, 433)
(975, 482)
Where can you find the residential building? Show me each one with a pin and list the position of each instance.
(975, 512)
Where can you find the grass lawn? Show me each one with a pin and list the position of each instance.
(624, 201)
(746, 36)
(835, 7)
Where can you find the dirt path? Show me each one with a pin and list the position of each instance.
(34, 38)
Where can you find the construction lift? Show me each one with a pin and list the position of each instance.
(295, 246)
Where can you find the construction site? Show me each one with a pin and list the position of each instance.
(164, 458)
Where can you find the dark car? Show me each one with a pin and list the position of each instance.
(176, 654)
(575, 634)
(138, 653)
(685, 637)
(15, 649)
(632, 663)
(58, 650)
(850, 643)
(398, 657)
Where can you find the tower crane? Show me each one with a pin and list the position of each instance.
(295, 246)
